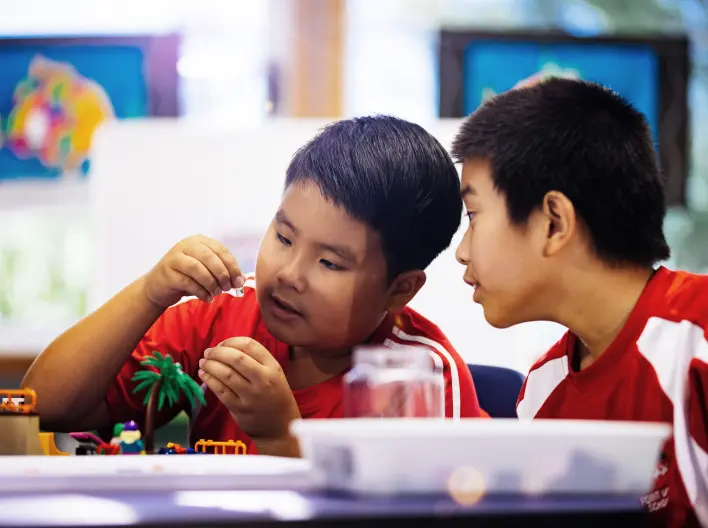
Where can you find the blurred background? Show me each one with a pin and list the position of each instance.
(199, 105)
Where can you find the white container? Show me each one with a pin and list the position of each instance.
(479, 456)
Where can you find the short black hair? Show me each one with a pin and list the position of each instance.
(391, 175)
(585, 141)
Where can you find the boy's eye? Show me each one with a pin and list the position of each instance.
(470, 215)
(331, 265)
(283, 240)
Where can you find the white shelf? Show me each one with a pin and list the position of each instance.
(55, 194)
(27, 341)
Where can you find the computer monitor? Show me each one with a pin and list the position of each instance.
(652, 73)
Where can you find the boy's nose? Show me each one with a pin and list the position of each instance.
(461, 253)
(291, 276)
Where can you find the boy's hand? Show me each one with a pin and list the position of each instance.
(198, 266)
(252, 385)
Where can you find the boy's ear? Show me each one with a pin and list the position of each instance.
(403, 288)
(560, 220)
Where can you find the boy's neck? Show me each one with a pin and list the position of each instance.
(297, 353)
(595, 305)
(310, 367)
(328, 355)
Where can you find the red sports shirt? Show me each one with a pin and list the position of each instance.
(188, 328)
(656, 370)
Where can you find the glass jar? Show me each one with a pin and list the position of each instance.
(401, 382)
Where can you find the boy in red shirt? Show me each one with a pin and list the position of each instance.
(566, 211)
(368, 204)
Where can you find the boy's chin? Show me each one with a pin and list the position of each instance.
(500, 324)
(305, 339)
(290, 336)
(284, 335)
(500, 320)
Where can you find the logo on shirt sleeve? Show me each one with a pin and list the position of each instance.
(658, 498)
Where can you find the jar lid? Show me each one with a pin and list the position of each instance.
(405, 357)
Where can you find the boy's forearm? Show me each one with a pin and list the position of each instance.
(73, 374)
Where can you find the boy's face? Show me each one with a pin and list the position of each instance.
(503, 262)
(321, 275)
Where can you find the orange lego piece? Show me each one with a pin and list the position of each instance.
(221, 448)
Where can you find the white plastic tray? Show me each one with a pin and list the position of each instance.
(478, 456)
(151, 473)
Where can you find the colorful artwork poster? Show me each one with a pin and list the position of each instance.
(492, 67)
(52, 99)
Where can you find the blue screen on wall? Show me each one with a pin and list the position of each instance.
(492, 67)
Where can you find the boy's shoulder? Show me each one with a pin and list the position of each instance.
(410, 325)
(681, 296)
(410, 328)
(556, 358)
(675, 296)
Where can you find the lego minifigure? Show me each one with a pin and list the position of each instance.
(117, 430)
(130, 442)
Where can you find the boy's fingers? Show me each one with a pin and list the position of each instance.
(236, 277)
(252, 348)
(237, 360)
(189, 286)
(229, 398)
(197, 270)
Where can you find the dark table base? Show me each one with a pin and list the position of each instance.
(302, 509)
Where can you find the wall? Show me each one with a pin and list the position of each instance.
(44, 237)
(155, 182)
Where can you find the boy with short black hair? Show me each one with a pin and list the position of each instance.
(368, 204)
(566, 210)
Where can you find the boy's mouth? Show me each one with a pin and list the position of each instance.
(471, 282)
(475, 287)
(283, 308)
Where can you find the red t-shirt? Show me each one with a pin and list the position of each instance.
(656, 370)
(188, 328)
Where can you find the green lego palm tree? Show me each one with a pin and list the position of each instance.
(165, 381)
